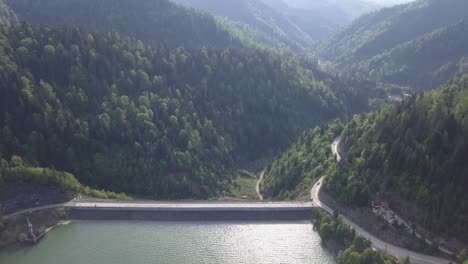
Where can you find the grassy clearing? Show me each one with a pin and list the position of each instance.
(244, 187)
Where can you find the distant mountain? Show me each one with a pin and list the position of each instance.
(321, 18)
(425, 62)
(259, 17)
(335, 9)
(392, 44)
(294, 24)
(313, 21)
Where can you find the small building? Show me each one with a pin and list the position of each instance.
(384, 210)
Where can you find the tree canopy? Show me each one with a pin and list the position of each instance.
(417, 150)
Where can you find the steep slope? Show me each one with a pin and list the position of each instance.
(376, 34)
(152, 120)
(412, 154)
(86, 104)
(413, 151)
(313, 21)
(425, 62)
(152, 21)
(321, 18)
(260, 17)
(292, 174)
(340, 11)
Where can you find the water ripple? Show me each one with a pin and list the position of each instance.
(90, 242)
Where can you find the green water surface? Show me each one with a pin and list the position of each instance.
(122, 242)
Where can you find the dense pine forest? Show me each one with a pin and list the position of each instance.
(155, 120)
(172, 117)
(154, 99)
(162, 21)
(412, 151)
(416, 150)
(297, 169)
(427, 61)
(151, 21)
(70, 101)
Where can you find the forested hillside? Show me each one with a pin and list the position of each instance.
(416, 150)
(428, 61)
(321, 18)
(379, 44)
(341, 11)
(151, 21)
(270, 26)
(85, 104)
(296, 170)
(155, 120)
(312, 21)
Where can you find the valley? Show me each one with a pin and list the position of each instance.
(248, 103)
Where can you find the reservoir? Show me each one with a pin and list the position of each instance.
(124, 242)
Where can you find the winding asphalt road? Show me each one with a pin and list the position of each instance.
(334, 148)
(39, 208)
(257, 186)
(376, 242)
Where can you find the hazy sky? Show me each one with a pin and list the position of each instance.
(390, 2)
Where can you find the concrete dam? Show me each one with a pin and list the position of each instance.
(191, 211)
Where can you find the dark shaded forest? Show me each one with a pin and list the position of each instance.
(151, 21)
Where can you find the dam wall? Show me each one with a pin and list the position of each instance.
(191, 214)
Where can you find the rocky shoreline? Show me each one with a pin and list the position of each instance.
(29, 229)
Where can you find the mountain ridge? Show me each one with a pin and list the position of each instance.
(375, 34)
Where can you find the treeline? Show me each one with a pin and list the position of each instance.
(295, 171)
(416, 150)
(165, 22)
(244, 24)
(16, 170)
(357, 249)
(152, 21)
